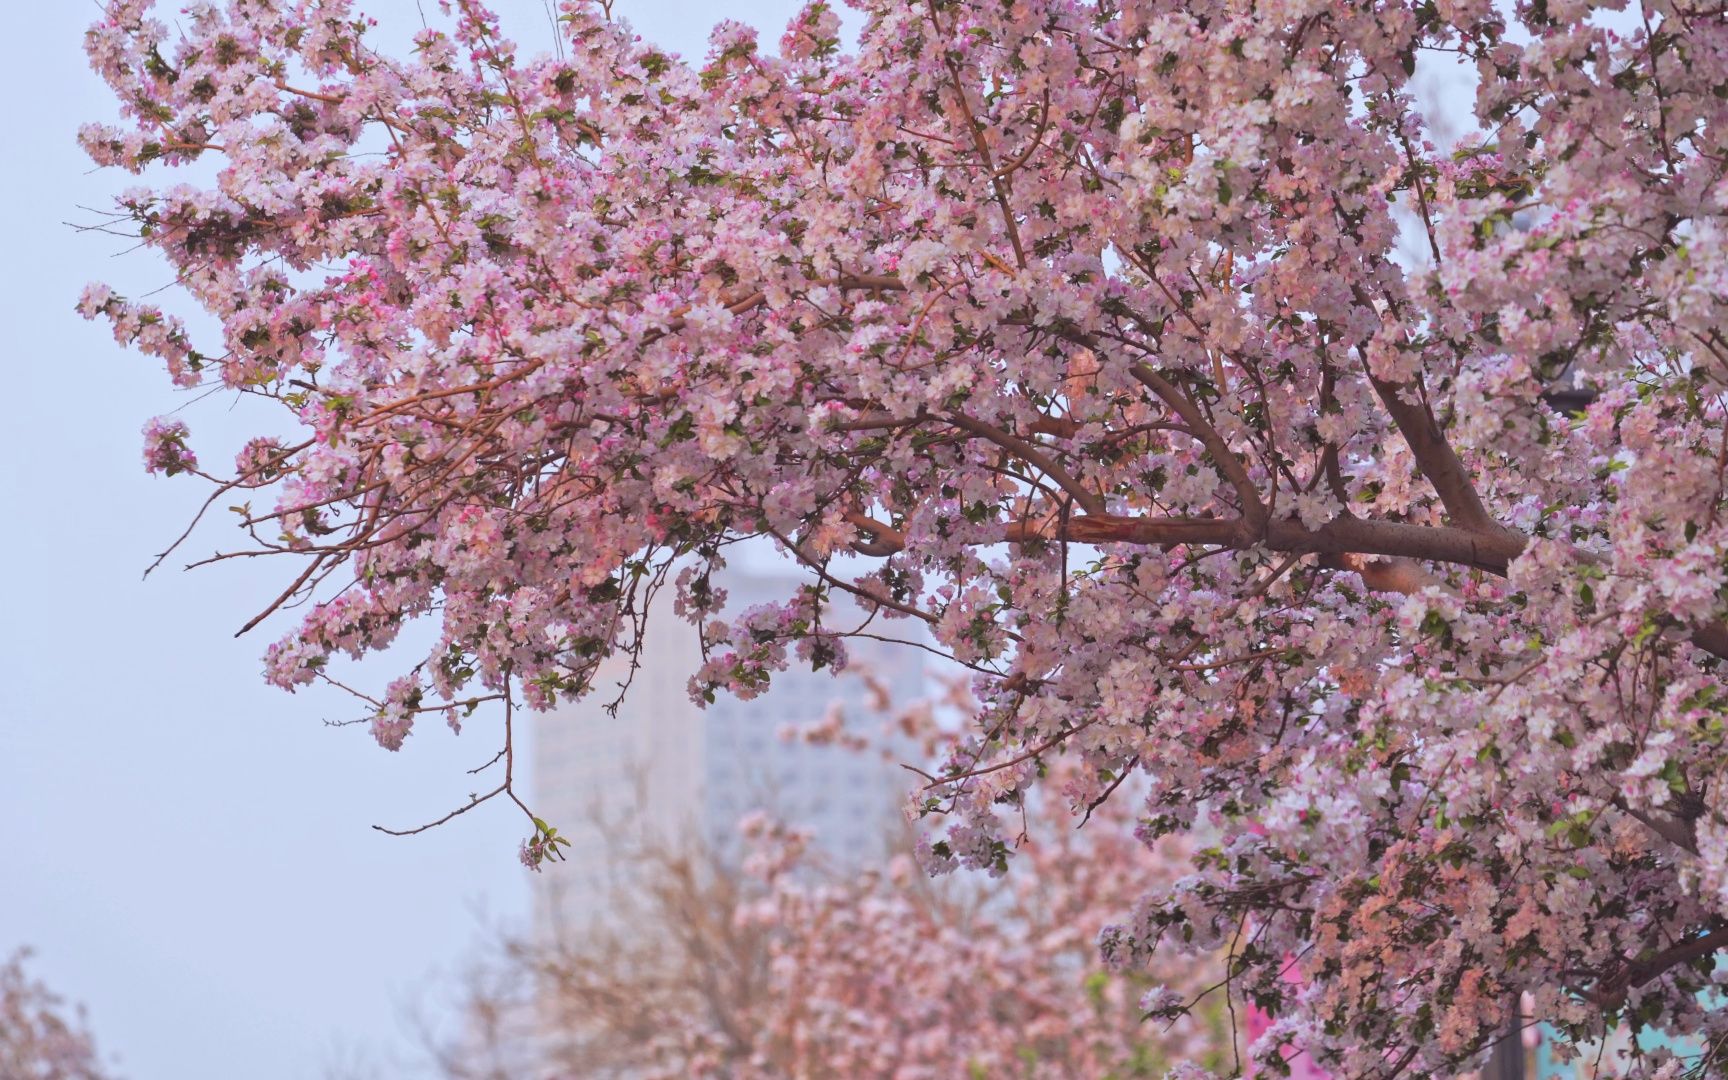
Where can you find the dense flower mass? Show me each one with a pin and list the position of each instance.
(1085, 334)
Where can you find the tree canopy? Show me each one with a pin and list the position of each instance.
(1359, 497)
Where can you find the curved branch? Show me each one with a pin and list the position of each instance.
(1416, 422)
(1253, 510)
(885, 539)
(1090, 501)
(1611, 989)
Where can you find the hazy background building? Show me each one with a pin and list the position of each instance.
(666, 774)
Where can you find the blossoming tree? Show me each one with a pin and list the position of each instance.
(38, 1039)
(789, 965)
(1077, 332)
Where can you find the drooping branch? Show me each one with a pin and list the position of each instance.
(1114, 529)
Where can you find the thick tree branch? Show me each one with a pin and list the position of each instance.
(1342, 537)
(1610, 991)
(1113, 529)
(1435, 455)
(1644, 971)
(1342, 540)
(884, 539)
(1680, 832)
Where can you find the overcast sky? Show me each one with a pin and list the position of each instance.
(189, 850)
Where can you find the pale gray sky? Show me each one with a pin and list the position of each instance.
(190, 850)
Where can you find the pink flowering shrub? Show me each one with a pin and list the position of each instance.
(792, 966)
(38, 1040)
(1075, 333)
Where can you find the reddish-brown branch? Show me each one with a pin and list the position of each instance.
(1341, 537)
(287, 594)
(885, 539)
(1610, 991)
(998, 179)
(1090, 501)
(1048, 744)
(1114, 529)
(473, 801)
(1435, 455)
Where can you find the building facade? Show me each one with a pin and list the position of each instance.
(665, 774)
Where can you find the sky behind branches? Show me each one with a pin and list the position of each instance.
(188, 849)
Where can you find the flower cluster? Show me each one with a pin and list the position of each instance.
(165, 449)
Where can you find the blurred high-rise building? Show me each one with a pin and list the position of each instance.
(668, 775)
